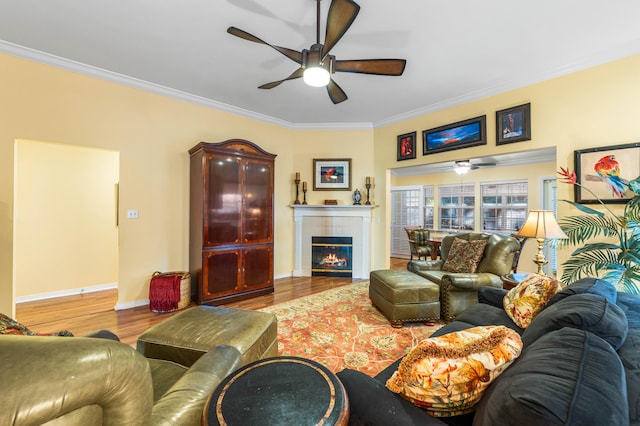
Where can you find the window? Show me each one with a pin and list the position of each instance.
(457, 206)
(429, 202)
(504, 206)
(410, 206)
(405, 211)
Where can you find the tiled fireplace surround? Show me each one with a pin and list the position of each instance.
(332, 221)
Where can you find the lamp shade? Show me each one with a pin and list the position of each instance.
(541, 224)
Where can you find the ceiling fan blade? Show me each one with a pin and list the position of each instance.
(296, 74)
(341, 15)
(294, 55)
(336, 93)
(373, 66)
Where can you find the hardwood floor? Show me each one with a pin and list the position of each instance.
(93, 311)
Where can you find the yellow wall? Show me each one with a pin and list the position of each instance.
(153, 133)
(590, 108)
(66, 235)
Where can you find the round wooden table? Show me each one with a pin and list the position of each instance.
(282, 391)
(509, 281)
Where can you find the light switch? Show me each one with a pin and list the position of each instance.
(132, 214)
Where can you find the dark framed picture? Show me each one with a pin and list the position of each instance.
(513, 124)
(463, 134)
(406, 146)
(606, 172)
(332, 174)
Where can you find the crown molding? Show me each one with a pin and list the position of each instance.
(69, 65)
(612, 53)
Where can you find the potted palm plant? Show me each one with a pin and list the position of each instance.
(618, 259)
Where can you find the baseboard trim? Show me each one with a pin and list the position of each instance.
(63, 293)
(277, 277)
(129, 305)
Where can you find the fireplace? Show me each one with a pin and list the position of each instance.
(337, 221)
(331, 256)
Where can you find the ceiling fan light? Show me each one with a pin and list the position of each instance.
(316, 76)
(462, 167)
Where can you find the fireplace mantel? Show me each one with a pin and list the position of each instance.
(332, 220)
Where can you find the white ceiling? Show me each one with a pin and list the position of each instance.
(456, 50)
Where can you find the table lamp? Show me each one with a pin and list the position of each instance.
(541, 225)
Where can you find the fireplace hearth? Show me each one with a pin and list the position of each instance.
(331, 256)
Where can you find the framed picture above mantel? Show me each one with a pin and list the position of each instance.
(462, 134)
(332, 174)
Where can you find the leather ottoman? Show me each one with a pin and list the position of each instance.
(186, 336)
(403, 296)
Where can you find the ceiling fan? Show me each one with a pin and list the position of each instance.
(316, 65)
(462, 167)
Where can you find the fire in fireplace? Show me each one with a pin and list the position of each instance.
(331, 256)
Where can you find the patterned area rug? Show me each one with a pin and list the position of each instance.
(341, 329)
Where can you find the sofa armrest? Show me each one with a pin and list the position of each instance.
(103, 334)
(371, 403)
(491, 296)
(92, 381)
(425, 265)
(467, 282)
(184, 402)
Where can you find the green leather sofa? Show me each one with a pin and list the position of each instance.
(54, 380)
(87, 381)
(458, 291)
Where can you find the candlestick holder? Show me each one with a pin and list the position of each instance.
(304, 195)
(297, 201)
(368, 185)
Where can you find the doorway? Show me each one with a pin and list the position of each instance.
(65, 220)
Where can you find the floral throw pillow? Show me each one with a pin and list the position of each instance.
(447, 375)
(464, 256)
(10, 326)
(523, 302)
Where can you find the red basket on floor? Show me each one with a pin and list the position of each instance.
(169, 291)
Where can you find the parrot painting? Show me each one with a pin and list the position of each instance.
(609, 170)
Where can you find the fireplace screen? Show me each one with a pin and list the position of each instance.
(331, 256)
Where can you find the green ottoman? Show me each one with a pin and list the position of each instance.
(403, 296)
(186, 336)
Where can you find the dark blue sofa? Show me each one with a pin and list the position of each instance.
(580, 365)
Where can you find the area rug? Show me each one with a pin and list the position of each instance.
(339, 328)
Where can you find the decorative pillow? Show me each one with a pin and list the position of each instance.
(10, 326)
(566, 377)
(587, 285)
(586, 311)
(447, 375)
(523, 302)
(464, 256)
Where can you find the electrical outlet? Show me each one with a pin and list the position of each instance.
(132, 214)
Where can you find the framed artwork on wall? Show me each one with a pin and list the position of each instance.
(406, 149)
(332, 174)
(606, 171)
(463, 134)
(513, 124)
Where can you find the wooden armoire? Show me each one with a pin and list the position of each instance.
(231, 221)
